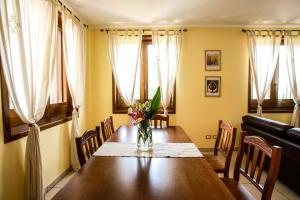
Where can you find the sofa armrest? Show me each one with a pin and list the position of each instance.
(294, 133)
(267, 124)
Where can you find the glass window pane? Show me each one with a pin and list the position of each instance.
(137, 91)
(253, 92)
(284, 91)
(152, 75)
(56, 92)
(11, 105)
(65, 85)
(126, 66)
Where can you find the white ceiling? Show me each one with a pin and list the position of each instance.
(118, 13)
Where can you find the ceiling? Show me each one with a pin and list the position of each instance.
(128, 13)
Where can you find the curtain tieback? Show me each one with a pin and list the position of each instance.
(165, 112)
(75, 112)
(33, 125)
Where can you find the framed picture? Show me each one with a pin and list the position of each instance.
(212, 86)
(212, 60)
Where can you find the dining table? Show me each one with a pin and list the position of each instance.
(149, 178)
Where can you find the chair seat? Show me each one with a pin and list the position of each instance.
(237, 189)
(216, 162)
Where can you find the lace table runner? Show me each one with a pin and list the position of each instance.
(159, 150)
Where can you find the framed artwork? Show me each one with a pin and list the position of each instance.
(212, 60)
(212, 86)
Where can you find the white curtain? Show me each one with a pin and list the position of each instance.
(263, 52)
(167, 49)
(28, 40)
(124, 53)
(74, 47)
(292, 45)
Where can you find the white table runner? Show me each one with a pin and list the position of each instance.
(159, 150)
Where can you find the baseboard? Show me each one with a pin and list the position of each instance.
(58, 178)
(206, 149)
(212, 149)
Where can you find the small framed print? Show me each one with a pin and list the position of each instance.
(212, 86)
(212, 60)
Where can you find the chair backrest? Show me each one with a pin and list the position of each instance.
(257, 150)
(160, 119)
(107, 127)
(87, 144)
(225, 143)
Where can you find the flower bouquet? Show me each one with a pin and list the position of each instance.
(140, 114)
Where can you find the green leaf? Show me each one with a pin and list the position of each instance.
(155, 102)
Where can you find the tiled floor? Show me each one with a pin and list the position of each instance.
(281, 192)
(58, 186)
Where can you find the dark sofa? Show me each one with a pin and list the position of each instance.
(285, 136)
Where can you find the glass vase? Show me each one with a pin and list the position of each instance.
(144, 135)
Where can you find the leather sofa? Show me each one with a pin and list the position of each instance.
(283, 135)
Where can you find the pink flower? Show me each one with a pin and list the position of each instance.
(136, 115)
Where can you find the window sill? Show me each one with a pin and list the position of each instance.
(272, 110)
(20, 131)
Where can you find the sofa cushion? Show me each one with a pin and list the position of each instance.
(294, 133)
(267, 124)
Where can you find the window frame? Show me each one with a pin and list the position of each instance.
(55, 114)
(119, 107)
(272, 105)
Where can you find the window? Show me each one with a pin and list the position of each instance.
(58, 110)
(146, 82)
(279, 97)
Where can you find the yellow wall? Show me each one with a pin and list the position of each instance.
(197, 114)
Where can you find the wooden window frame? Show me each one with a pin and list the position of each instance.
(119, 107)
(272, 105)
(54, 115)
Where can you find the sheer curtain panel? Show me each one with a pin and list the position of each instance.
(263, 52)
(167, 49)
(124, 53)
(74, 47)
(28, 40)
(292, 45)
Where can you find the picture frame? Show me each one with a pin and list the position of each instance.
(212, 60)
(212, 86)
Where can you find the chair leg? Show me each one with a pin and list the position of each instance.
(226, 173)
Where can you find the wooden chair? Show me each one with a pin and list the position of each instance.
(87, 144)
(224, 145)
(107, 127)
(160, 118)
(257, 151)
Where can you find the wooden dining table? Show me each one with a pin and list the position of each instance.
(145, 178)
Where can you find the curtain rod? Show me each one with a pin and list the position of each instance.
(65, 7)
(184, 30)
(245, 30)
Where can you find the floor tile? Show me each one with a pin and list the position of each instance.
(65, 179)
(257, 194)
(290, 194)
(52, 193)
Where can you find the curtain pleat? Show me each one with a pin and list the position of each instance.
(167, 49)
(33, 165)
(292, 45)
(74, 48)
(124, 53)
